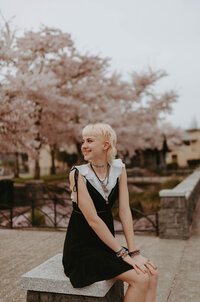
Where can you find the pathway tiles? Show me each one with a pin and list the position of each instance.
(22, 250)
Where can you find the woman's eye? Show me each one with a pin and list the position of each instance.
(89, 141)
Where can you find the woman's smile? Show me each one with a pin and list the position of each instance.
(86, 151)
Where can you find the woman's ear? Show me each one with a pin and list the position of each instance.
(106, 145)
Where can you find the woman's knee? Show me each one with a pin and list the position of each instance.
(142, 281)
(133, 279)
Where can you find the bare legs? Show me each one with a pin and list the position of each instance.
(142, 287)
(137, 290)
(153, 282)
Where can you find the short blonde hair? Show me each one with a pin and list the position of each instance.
(107, 133)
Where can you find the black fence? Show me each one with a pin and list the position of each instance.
(154, 223)
(33, 220)
(57, 214)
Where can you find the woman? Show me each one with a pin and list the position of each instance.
(91, 252)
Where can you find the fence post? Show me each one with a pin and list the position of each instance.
(32, 208)
(55, 222)
(157, 225)
(11, 216)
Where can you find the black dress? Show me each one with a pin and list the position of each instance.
(86, 258)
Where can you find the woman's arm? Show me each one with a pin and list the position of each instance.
(88, 209)
(125, 212)
(127, 223)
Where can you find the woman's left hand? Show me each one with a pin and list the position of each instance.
(143, 261)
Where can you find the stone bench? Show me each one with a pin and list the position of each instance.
(48, 283)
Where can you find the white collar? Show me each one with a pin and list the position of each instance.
(116, 163)
(115, 171)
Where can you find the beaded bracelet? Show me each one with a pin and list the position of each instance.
(123, 252)
(118, 253)
(134, 253)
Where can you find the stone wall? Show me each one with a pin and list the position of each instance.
(177, 207)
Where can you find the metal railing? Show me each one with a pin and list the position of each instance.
(154, 224)
(55, 217)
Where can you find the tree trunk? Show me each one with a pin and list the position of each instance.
(16, 166)
(53, 152)
(141, 158)
(37, 169)
(38, 113)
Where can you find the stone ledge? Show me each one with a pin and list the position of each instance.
(49, 277)
(169, 193)
(183, 189)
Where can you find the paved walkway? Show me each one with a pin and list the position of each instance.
(177, 260)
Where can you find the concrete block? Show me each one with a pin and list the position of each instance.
(116, 293)
(49, 278)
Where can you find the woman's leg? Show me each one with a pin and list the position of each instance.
(138, 285)
(153, 282)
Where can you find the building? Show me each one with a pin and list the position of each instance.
(187, 154)
(7, 162)
(45, 161)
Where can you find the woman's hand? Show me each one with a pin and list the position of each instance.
(141, 263)
(144, 264)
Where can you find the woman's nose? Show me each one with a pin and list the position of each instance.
(84, 146)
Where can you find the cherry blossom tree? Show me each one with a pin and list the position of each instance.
(143, 122)
(31, 81)
(16, 128)
(138, 118)
(53, 91)
(51, 73)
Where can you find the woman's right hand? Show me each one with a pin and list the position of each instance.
(138, 266)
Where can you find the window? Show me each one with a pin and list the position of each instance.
(174, 158)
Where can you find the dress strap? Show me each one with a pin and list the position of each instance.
(76, 181)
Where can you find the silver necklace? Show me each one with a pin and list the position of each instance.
(103, 185)
(97, 166)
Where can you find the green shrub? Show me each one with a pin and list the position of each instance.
(38, 218)
(137, 206)
(169, 184)
(147, 201)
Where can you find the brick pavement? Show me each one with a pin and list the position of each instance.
(186, 285)
(22, 250)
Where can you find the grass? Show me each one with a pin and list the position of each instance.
(47, 178)
(38, 218)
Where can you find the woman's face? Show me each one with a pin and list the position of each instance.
(93, 147)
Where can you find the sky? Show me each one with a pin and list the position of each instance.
(134, 34)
